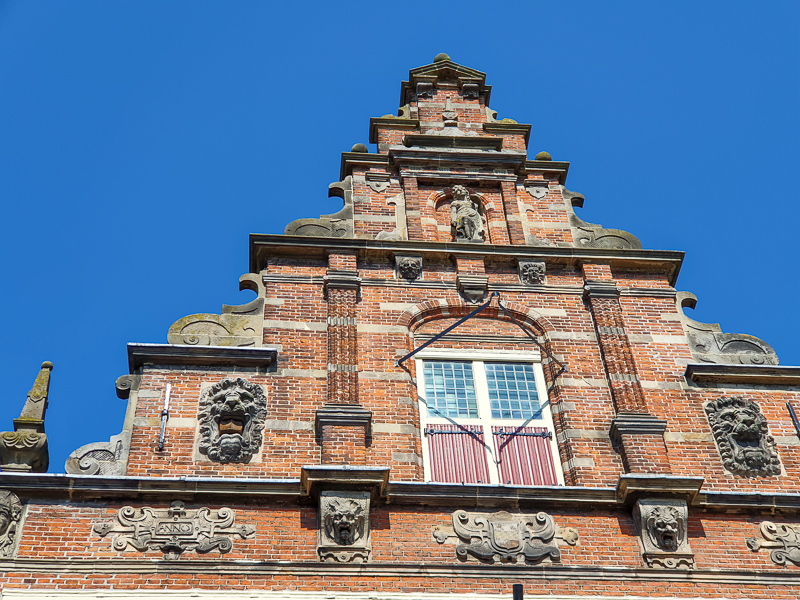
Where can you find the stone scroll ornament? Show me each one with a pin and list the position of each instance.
(504, 537)
(783, 541)
(661, 524)
(231, 415)
(344, 534)
(10, 515)
(744, 443)
(175, 530)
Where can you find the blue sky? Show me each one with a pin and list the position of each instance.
(140, 143)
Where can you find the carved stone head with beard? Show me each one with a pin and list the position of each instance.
(231, 416)
(10, 513)
(344, 521)
(665, 527)
(744, 443)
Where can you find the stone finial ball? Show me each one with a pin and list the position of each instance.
(47, 365)
(442, 56)
(359, 148)
(544, 156)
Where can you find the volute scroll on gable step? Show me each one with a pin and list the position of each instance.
(237, 325)
(594, 235)
(338, 224)
(709, 344)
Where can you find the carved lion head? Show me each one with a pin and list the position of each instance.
(665, 528)
(741, 434)
(231, 416)
(344, 521)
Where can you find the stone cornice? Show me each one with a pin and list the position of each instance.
(548, 166)
(77, 488)
(472, 571)
(212, 356)
(364, 160)
(307, 246)
(523, 129)
(389, 122)
(711, 373)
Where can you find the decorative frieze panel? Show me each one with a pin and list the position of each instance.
(744, 443)
(504, 537)
(231, 416)
(782, 540)
(175, 530)
(344, 534)
(663, 533)
(10, 516)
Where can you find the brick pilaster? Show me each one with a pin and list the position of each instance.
(413, 208)
(341, 292)
(516, 233)
(639, 434)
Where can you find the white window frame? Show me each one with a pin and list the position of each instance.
(485, 420)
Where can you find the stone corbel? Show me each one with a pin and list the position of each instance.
(341, 280)
(377, 182)
(343, 415)
(531, 272)
(408, 267)
(663, 533)
(473, 288)
(536, 188)
(25, 448)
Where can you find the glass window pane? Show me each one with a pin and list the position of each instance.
(450, 389)
(512, 391)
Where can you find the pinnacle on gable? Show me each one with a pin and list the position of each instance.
(443, 71)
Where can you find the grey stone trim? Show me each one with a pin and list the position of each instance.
(297, 325)
(601, 289)
(484, 339)
(263, 245)
(662, 385)
(636, 424)
(649, 292)
(502, 571)
(473, 288)
(315, 373)
(768, 375)
(316, 478)
(385, 376)
(341, 280)
(588, 434)
(509, 128)
(343, 415)
(289, 425)
(687, 437)
(632, 486)
(584, 382)
(389, 121)
(550, 167)
(172, 423)
(395, 428)
(222, 356)
(407, 457)
(369, 328)
(421, 140)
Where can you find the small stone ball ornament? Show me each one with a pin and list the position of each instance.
(441, 57)
(543, 156)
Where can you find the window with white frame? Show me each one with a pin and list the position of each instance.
(486, 419)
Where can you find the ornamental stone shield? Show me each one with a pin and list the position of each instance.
(502, 536)
(663, 533)
(10, 516)
(231, 416)
(344, 534)
(744, 443)
(175, 530)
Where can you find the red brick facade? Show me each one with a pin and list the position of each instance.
(628, 389)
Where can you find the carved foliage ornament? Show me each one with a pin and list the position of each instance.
(175, 530)
(10, 515)
(344, 534)
(784, 541)
(663, 533)
(502, 536)
(744, 443)
(231, 416)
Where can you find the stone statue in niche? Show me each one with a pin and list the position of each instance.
(744, 443)
(231, 416)
(344, 534)
(661, 524)
(465, 216)
(10, 515)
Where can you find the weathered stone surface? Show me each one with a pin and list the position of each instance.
(339, 224)
(531, 272)
(744, 443)
(506, 537)
(238, 325)
(709, 345)
(231, 414)
(10, 516)
(344, 533)
(175, 530)
(408, 267)
(782, 539)
(25, 448)
(663, 537)
(101, 458)
(465, 216)
(473, 288)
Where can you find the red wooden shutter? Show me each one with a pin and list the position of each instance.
(457, 453)
(525, 458)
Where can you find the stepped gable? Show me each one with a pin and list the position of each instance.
(445, 134)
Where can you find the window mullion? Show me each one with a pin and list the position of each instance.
(485, 416)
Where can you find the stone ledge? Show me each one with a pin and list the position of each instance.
(632, 486)
(636, 424)
(704, 373)
(315, 478)
(214, 356)
(344, 415)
